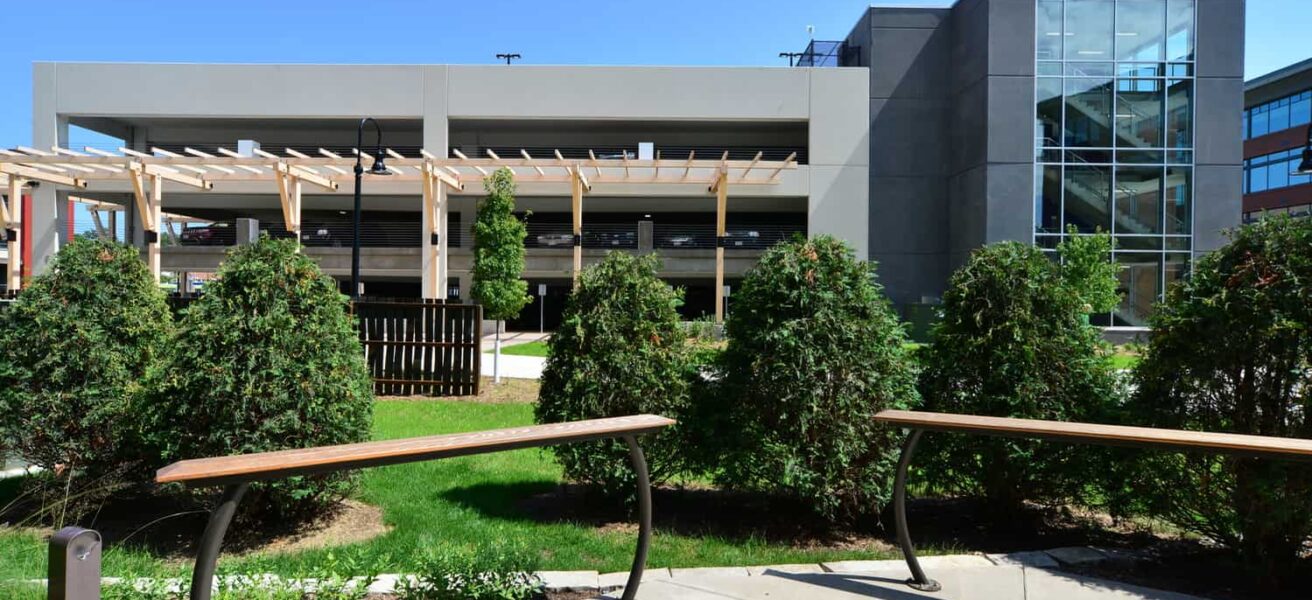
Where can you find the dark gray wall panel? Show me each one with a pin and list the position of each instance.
(1217, 204)
(1011, 37)
(906, 137)
(1218, 113)
(1010, 119)
(911, 63)
(1219, 47)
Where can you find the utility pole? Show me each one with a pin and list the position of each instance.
(508, 57)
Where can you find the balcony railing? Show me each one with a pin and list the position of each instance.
(581, 153)
(827, 53)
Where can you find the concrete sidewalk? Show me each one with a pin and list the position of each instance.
(961, 583)
(515, 367)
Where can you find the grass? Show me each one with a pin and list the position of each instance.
(526, 349)
(466, 500)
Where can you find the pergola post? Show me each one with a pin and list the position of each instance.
(721, 202)
(13, 225)
(429, 240)
(576, 205)
(443, 230)
(156, 216)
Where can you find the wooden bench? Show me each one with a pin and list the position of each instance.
(1080, 433)
(236, 473)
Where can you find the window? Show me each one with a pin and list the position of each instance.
(1088, 113)
(1140, 30)
(1088, 30)
(1273, 171)
(1088, 198)
(1280, 114)
(1139, 113)
(1114, 136)
(1049, 38)
(1139, 201)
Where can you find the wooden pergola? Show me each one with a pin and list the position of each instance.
(290, 172)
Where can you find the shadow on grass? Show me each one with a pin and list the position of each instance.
(165, 525)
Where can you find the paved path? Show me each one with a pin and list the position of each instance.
(961, 583)
(515, 367)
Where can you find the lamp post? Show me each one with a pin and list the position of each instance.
(1305, 166)
(378, 168)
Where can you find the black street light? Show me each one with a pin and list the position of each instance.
(1305, 167)
(378, 168)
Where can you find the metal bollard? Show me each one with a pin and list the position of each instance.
(74, 566)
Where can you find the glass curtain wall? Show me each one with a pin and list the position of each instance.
(1114, 137)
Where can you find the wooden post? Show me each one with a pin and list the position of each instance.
(576, 192)
(443, 233)
(721, 200)
(428, 264)
(152, 231)
(13, 215)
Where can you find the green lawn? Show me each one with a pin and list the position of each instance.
(465, 500)
(526, 349)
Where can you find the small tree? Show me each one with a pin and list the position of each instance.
(1231, 351)
(267, 359)
(620, 350)
(499, 257)
(1087, 268)
(1013, 343)
(814, 352)
(75, 345)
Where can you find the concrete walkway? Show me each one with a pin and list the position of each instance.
(515, 367)
(961, 583)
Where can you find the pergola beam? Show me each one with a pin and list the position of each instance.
(32, 174)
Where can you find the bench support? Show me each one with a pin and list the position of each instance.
(207, 559)
(211, 542)
(918, 581)
(644, 518)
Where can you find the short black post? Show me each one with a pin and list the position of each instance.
(74, 565)
(211, 542)
(919, 580)
(644, 518)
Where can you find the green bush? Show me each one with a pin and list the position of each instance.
(814, 351)
(1088, 269)
(1013, 342)
(496, 571)
(1231, 351)
(76, 344)
(267, 359)
(620, 350)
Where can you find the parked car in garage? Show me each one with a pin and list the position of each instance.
(218, 233)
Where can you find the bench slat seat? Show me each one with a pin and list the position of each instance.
(1113, 435)
(286, 463)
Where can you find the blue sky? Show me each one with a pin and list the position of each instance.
(676, 32)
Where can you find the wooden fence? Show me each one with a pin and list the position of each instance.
(414, 346)
(425, 347)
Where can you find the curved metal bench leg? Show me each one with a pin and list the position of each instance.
(919, 580)
(644, 518)
(207, 558)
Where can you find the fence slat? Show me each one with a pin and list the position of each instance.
(428, 347)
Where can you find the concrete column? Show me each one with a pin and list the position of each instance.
(248, 231)
(48, 129)
(646, 237)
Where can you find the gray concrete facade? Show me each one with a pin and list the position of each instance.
(952, 145)
(439, 106)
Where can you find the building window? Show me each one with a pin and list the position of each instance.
(1114, 137)
(1273, 171)
(1294, 110)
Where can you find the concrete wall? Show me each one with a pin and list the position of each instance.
(951, 151)
(826, 108)
(907, 51)
(991, 157)
(1218, 121)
